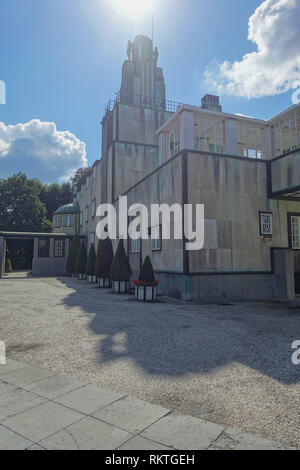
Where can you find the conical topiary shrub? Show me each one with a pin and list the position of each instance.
(81, 261)
(147, 273)
(120, 270)
(71, 261)
(91, 265)
(8, 268)
(146, 285)
(104, 261)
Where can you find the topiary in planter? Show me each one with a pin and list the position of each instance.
(71, 261)
(81, 261)
(146, 285)
(104, 261)
(8, 268)
(120, 271)
(91, 264)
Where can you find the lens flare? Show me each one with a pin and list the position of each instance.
(134, 9)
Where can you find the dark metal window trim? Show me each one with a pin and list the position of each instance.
(289, 217)
(260, 224)
(47, 240)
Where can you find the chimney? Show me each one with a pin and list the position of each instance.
(212, 103)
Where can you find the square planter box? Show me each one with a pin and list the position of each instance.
(91, 279)
(120, 287)
(146, 294)
(104, 282)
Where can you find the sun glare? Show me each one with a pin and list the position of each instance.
(134, 9)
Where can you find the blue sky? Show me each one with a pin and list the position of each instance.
(61, 62)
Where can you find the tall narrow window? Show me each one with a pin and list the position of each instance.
(295, 232)
(44, 248)
(156, 238)
(59, 249)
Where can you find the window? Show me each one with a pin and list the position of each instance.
(69, 220)
(81, 219)
(266, 224)
(59, 249)
(93, 208)
(156, 239)
(295, 232)
(135, 245)
(92, 239)
(86, 214)
(57, 221)
(44, 248)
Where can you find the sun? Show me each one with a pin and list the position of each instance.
(134, 9)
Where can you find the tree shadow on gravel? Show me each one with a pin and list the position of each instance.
(175, 340)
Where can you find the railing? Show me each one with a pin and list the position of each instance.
(144, 101)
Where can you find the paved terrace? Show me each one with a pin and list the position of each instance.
(224, 364)
(41, 410)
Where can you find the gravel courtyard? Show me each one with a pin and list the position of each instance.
(229, 364)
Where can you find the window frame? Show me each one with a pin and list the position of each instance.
(154, 241)
(39, 248)
(61, 250)
(262, 234)
(292, 215)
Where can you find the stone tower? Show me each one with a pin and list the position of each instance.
(129, 140)
(142, 80)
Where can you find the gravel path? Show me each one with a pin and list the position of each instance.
(228, 364)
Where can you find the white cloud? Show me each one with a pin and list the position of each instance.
(38, 149)
(274, 68)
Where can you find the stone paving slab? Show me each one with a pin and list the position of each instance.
(131, 414)
(140, 443)
(15, 400)
(26, 376)
(184, 432)
(89, 399)
(42, 421)
(11, 441)
(55, 386)
(88, 434)
(33, 422)
(11, 366)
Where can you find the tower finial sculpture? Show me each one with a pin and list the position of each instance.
(129, 51)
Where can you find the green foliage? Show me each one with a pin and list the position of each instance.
(91, 262)
(81, 259)
(8, 267)
(26, 205)
(104, 258)
(120, 270)
(20, 206)
(71, 261)
(55, 196)
(147, 273)
(80, 176)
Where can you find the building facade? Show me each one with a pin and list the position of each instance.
(245, 171)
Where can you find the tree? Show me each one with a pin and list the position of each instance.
(91, 262)
(104, 258)
(81, 259)
(71, 261)
(79, 177)
(147, 273)
(55, 196)
(121, 270)
(20, 206)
